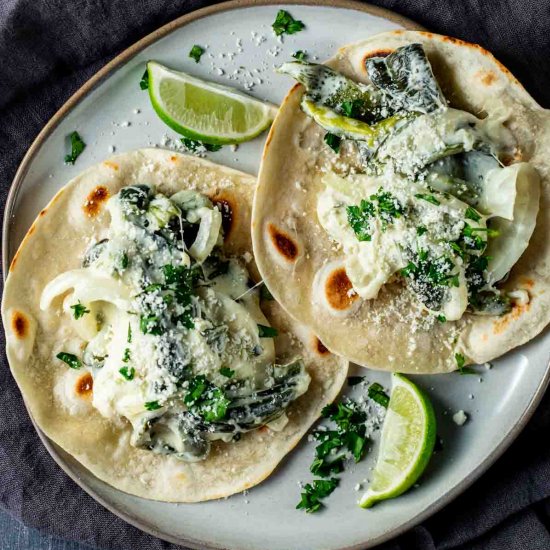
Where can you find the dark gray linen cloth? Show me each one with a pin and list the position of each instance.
(48, 48)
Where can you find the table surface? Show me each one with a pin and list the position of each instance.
(15, 536)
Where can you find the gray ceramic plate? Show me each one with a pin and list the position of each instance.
(111, 111)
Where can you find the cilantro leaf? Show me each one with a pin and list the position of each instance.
(359, 219)
(314, 492)
(149, 324)
(267, 332)
(300, 55)
(152, 405)
(286, 24)
(126, 356)
(77, 146)
(420, 230)
(196, 53)
(128, 374)
(79, 310)
(206, 399)
(227, 372)
(129, 337)
(376, 393)
(471, 214)
(428, 198)
(460, 361)
(352, 108)
(333, 141)
(72, 360)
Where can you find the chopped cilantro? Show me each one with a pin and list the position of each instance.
(267, 332)
(149, 324)
(265, 294)
(123, 261)
(420, 230)
(152, 405)
(333, 141)
(300, 55)
(195, 144)
(79, 310)
(128, 374)
(77, 146)
(206, 399)
(126, 356)
(352, 108)
(441, 318)
(428, 198)
(196, 52)
(313, 493)
(144, 82)
(72, 360)
(359, 219)
(286, 24)
(384, 205)
(129, 337)
(460, 361)
(376, 393)
(471, 214)
(227, 372)
(354, 380)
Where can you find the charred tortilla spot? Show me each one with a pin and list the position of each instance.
(42, 212)
(487, 77)
(283, 243)
(19, 324)
(110, 164)
(94, 201)
(84, 385)
(337, 289)
(377, 53)
(227, 207)
(527, 282)
(31, 229)
(173, 158)
(517, 311)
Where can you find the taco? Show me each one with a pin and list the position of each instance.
(138, 338)
(402, 204)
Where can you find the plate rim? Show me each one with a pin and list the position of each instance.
(91, 84)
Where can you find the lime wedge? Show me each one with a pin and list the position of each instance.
(206, 111)
(407, 442)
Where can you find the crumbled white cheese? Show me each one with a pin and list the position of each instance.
(460, 417)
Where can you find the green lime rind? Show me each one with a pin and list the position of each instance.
(422, 456)
(213, 138)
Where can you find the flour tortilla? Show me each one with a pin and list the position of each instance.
(390, 332)
(55, 243)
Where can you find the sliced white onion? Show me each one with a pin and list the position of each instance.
(88, 285)
(209, 231)
(506, 249)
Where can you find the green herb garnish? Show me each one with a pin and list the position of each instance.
(300, 55)
(72, 360)
(79, 310)
(428, 198)
(149, 324)
(77, 146)
(286, 24)
(471, 214)
(352, 108)
(128, 374)
(126, 356)
(460, 361)
(144, 82)
(196, 52)
(267, 332)
(315, 492)
(441, 318)
(129, 337)
(152, 405)
(376, 393)
(206, 399)
(227, 372)
(420, 230)
(333, 141)
(359, 219)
